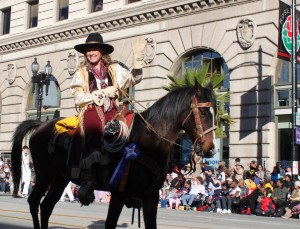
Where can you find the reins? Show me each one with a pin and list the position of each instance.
(194, 109)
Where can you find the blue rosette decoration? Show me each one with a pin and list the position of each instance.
(130, 152)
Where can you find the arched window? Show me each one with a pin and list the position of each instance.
(198, 59)
(50, 103)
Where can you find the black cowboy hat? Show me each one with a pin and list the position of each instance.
(94, 39)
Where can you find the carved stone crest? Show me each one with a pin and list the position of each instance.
(72, 62)
(150, 50)
(246, 32)
(11, 72)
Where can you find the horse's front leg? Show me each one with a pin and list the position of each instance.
(116, 204)
(150, 210)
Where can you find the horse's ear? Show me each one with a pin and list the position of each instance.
(209, 86)
(198, 86)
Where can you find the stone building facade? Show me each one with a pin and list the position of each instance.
(243, 33)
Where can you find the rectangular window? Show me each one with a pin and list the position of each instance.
(132, 1)
(33, 14)
(6, 21)
(97, 5)
(63, 10)
(283, 98)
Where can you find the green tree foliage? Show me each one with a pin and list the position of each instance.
(200, 74)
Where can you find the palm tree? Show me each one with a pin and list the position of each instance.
(201, 75)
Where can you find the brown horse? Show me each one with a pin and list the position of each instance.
(154, 132)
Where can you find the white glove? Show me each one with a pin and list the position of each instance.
(99, 97)
(110, 91)
(138, 52)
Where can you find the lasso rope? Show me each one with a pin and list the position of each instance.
(118, 144)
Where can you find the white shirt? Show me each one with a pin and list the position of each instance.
(232, 191)
(198, 188)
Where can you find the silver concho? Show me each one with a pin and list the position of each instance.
(246, 32)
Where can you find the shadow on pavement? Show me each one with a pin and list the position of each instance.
(8, 226)
(101, 225)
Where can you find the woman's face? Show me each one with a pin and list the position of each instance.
(93, 55)
(287, 178)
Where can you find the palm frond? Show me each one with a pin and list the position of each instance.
(201, 75)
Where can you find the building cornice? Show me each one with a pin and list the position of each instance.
(69, 30)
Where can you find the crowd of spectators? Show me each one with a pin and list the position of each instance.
(5, 176)
(237, 190)
(241, 190)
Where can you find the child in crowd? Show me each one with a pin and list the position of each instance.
(265, 206)
(174, 198)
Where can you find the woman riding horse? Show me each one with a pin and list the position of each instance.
(95, 88)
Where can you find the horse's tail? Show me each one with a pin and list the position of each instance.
(16, 152)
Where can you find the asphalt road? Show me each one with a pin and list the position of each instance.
(14, 214)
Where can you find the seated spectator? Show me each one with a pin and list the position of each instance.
(6, 167)
(293, 201)
(232, 196)
(252, 169)
(1, 162)
(237, 171)
(208, 167)
(4, 181)
(220, 174)
(174, 197)
(279, 197)
(247, 205)
(244, 188)
(186, 187)
(277, 172)
(250, 184)
(265, 206)
(268, 184)
(197, 188)
(164, 193)
(207, 177)
(222, 165)
(259, 175)
(288, 171)
(215, 195)
(288, 184)
(175, 181)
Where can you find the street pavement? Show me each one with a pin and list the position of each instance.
(14, 214)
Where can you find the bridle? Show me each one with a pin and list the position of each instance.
(201, 135)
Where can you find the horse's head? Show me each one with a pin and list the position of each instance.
(199, 122)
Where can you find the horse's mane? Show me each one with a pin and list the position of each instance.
(170, 106)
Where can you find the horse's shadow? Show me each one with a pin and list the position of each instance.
(95, 225)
